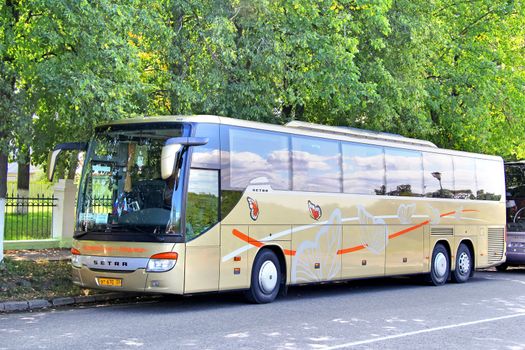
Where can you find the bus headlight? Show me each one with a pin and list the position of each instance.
(75, 258)
(162, 262)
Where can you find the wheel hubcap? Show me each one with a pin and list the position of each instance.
(440, 264)
(464, 264)
(268, 277)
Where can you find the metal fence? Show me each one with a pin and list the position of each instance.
(102, 204)
(29, 217)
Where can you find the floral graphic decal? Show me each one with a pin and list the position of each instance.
(323, 251)
(405, 212)
(373, 231)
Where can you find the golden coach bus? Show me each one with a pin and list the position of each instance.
(195, 204)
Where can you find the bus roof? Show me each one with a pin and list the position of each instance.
(311, 129)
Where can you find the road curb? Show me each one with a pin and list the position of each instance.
(38, 304)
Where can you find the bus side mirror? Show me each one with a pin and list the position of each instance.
(172, 151)
(53, 155)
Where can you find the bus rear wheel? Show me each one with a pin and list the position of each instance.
(440, 265)
(266, 278)
(463, 264)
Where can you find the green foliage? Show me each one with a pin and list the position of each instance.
(443, 70)
(68, 65)
(476, 94)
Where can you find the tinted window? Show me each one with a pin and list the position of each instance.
(363, 169)
(403, 172)
(255, 153)
(208, 155)
(464, 178)
(316, 165)
(438, 175)
(202, 208)
(490, 179)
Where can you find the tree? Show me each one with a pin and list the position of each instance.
(476, 76)
(82, 69)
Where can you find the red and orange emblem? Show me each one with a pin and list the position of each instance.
(315, 211)
(254, 208)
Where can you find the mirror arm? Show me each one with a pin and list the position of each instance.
(178, 167)
(53, 155)
(71, 146)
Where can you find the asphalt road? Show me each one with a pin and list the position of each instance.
(488, 312)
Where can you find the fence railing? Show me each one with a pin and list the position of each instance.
(28, 218)
(102, 204)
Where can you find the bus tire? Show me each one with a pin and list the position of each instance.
(266, 278)
(502, 268)
(464, 264)
(439, 266)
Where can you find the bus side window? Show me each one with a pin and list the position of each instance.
(316, 164)
(363, 169)
(404, 172)
(208, 155)
(202, 207)
(489, 177)
(438, 175)
(465, 186)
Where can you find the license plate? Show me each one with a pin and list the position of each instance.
(111, 282)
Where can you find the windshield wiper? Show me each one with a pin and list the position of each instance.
(158, 237)
(79, 234)
(116, 228)
(122, 228)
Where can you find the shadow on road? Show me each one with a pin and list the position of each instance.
(235, 301)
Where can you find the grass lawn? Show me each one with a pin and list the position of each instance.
(33, 225)
(41, 279)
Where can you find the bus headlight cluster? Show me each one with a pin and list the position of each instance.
(75, 258)
(162, 262)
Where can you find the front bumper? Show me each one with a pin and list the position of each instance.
(132, 278)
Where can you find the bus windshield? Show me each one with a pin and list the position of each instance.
(121, 190)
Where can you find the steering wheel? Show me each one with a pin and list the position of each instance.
(517, 216)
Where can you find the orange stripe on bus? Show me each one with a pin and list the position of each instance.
(247, 239)
(255, 242)
(402, 232)
(351, 249)
(259, 244)
(289, 252)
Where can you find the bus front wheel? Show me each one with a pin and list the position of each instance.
(266, 278)
(440, 265)
(463, 264)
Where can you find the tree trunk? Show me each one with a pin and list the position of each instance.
(73, 163)
(3, 175)
(3, 193)
(23, 176)
(22, 181)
